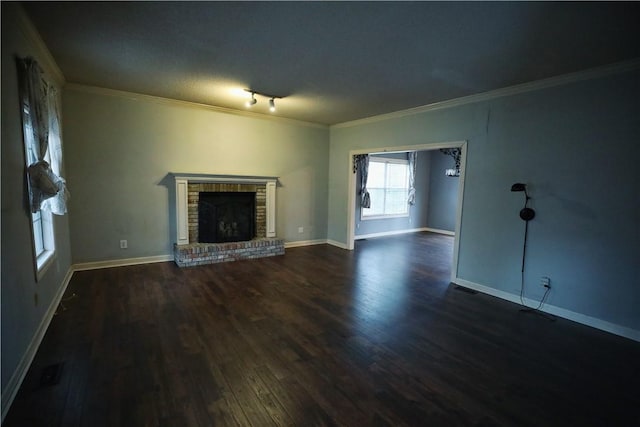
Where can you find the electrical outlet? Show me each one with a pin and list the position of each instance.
(300, 229)
(123, 244)
(545, 282)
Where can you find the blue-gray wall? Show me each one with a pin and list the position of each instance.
(576, 147)
(443, 193)
(118, 168)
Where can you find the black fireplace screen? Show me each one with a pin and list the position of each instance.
(226, 217)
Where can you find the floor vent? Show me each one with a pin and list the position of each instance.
(51, 375)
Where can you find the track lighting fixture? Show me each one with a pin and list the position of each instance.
(253, 100)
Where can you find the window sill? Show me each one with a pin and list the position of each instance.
(366, 218)
(43, 262)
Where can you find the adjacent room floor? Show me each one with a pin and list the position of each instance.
(319, 337)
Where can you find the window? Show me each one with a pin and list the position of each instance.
(42, 220)
(388, 185)
(43, 156)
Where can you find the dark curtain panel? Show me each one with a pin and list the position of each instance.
(361, 163)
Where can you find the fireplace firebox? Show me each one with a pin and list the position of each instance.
(226, 217)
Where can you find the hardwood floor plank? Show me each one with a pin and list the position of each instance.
(319, 337)
(240, 385)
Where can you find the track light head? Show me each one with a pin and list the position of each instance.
(272, 105)
(252, 101)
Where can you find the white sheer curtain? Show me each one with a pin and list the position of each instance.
(39, 120)
(33, 95)
(58, 203)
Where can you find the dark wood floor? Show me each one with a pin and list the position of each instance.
(320, 336)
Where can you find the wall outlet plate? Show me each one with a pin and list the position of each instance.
(124, 244)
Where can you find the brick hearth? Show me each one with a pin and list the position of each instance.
(210, 253)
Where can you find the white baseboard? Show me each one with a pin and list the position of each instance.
(315, 242)
(337, 244)
(10, 391)
(121, 262)
(388, 233)
(439, 231)
(594, 322)
(299, 243)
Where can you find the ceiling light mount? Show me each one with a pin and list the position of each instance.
(253, 100)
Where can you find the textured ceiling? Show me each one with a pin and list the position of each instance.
(331, 61)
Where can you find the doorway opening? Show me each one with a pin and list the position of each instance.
(355, 217)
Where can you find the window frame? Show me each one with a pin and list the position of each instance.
(41, 222)
(386, 161)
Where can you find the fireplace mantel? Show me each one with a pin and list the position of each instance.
(183, 180)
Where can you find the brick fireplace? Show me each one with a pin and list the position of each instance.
(190, 249)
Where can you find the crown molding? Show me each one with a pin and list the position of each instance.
(30, 32)
(188, 104)
(593, 73)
